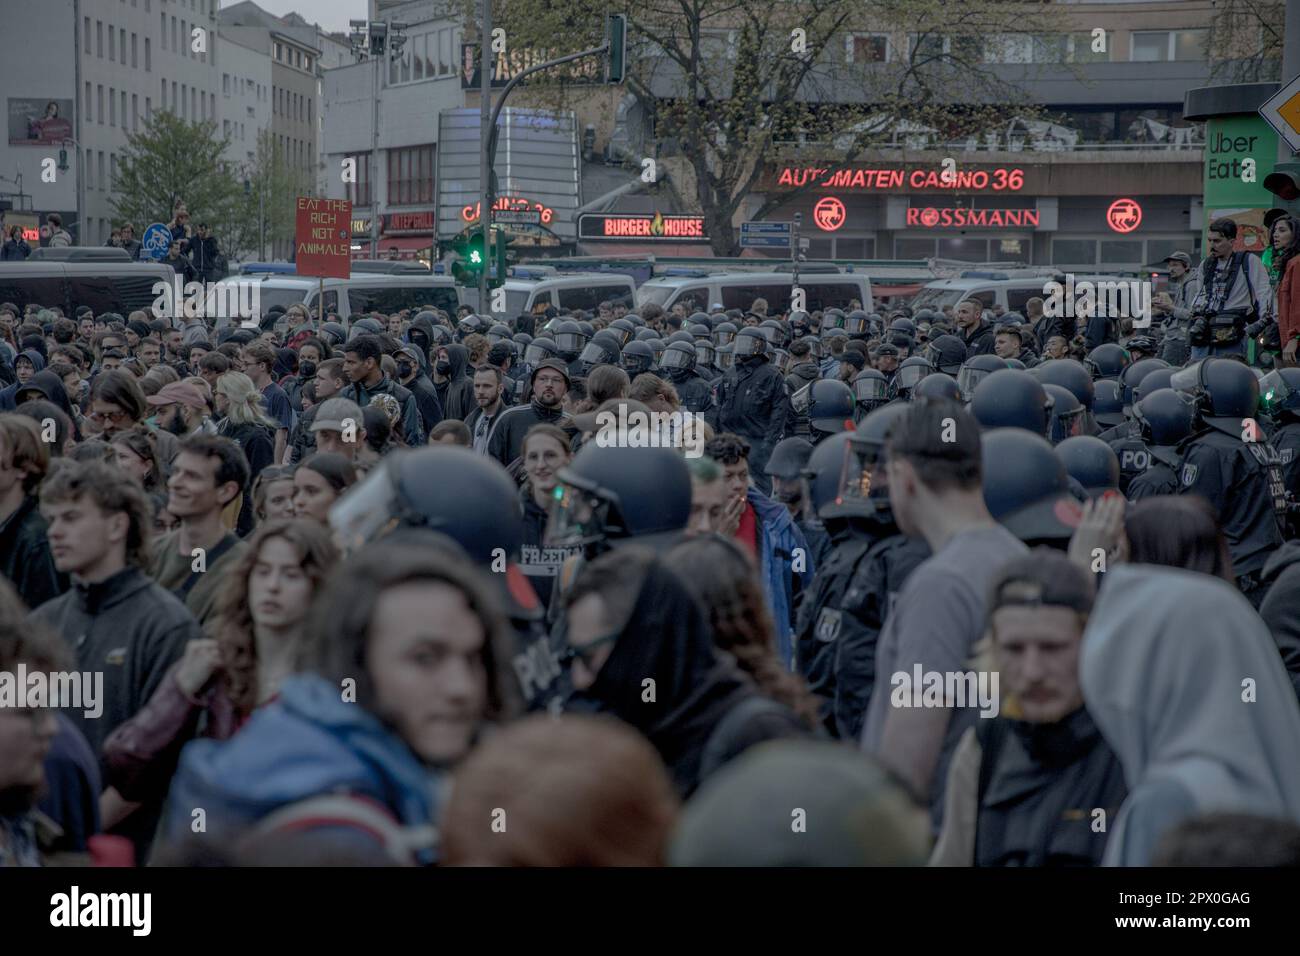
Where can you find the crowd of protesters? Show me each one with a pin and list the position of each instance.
(644, 587)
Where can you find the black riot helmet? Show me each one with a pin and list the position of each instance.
(1068, 416)
(938, 386)
(1225, 391)
(450, 489)
(724, 333)
(1026, 487)
(698, 318)
(701, 330)
(658, 345)
(974, 370)
(946, 353)
(800, 324)
(603, 349)
(725, 356)
(624, 329)
(750, 343)
(499, 333)
(609, 494)
(468, 326)
(522, 340)
(1108, 403)
(1279, 391)
(638, 357)
(1166, 417)
(570, 340)
(681, 335)
(815, 346)
(789, 458)
(855, 323)
(1132, 376)
(776, 333)
(830, 406)
(862, 491)
(678, 357)
(1016, 364)
(832, 319)
(441, 335)
(587, 328)
(822, 474)
(870, 390)
(1090, 462)
(539, 350)
(1108, 360)
(780, 360)
(1153, 381)
(1069, 374)
(911, 372)
(1012, 399)
(704, 352)
(646, 333)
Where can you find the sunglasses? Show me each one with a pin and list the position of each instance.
(586, 652)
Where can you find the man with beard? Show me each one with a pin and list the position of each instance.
(181, 409)
(550, 383)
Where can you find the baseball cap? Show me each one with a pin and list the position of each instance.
(178, 393)
(1182, 257)
(554, 365)
(334, 412)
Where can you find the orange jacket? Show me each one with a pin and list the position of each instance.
(1288, 301)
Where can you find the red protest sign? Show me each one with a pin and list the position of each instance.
(323, 238)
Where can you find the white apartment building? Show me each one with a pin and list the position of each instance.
(244, 103)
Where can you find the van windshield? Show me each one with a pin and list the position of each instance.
(657, 294)
(936, 299)
(284, 298)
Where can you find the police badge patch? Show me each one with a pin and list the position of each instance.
(828, 625)
(1189, 475)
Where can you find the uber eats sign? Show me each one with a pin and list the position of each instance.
(1240, 151)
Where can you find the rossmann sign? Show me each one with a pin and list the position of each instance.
(930, 217)
(995, 179)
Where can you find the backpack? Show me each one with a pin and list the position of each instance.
(407, 846)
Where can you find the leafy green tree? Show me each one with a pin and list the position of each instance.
(273, 187)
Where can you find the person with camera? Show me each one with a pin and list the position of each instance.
(1234, 299)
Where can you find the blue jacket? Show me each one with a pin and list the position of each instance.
(779, 536)
(307, 743)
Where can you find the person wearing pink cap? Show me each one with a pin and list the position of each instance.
(181, 409)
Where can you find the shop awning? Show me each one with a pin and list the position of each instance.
(408, 247)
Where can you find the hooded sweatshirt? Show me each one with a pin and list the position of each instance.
(1164, 658)
(457, 393)
(48, 384)
(306, 744)
(8, 395)
(667, 639)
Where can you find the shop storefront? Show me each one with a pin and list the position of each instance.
(408, 235)
(1048, 213)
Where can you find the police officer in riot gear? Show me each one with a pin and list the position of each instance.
(938, 386)
(1068, 418)
(947, 354)
(705, 359)
(1108, 360)
(914, 370)
(870, 391)
(472, 500)
(1012, 399)
(1279, 400)
(724, 333)
(974, 370)
(693, 389)
(1108, 409)
(1229, 461)
(1164, 419)
(752, 400)
(603, 349)
(638, 357)
(1076, 379)
(1091, 463)
(829, 407)
(1026, 487)
(570, 340)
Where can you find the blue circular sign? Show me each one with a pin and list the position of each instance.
(157, 238)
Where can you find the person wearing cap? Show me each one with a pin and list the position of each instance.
(182, 409)
(549, 384)
(1023, 788)
(411, 373)
(339, 428)
(936, 492)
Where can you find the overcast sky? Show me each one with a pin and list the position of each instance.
(333, 15)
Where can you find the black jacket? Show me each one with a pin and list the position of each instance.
(1039, 785)
(979, 342)
(426, 399)
(693, 389)
(752, 403)
(15, 249)
(506, 442)
(667, 640)
(25, 556)
(205, 257)
(258, 445)
(182, 266)
(412, 431)
(302, 440)
(1048, 326)
(1281, 607)
(459, 387)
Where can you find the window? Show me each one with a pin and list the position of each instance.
(194, 104)
(410, 175)
(963, 249)
(1126, 252)
(148, 107)
(184, 48)
(869, 48)
(174, 100)
(1074, 252)
(135, 112)
(112, 170)
(279, 52)
(89, 106)
(87, 40)
(175, 41)
(112, 106)
(100, 161)
(135, 50)
(1009, 48)
(122, 112)
(99, 39)
(162, 23)
(112, 44)
(162, 102)
(913, 248)
(1081, 48)
(121, 45)
(148, 56)
(87, 156)
(417, 57)
(225, 128)
(359, 191)
(225, 84)
(185, 104)
(1162, 45)
(1052, 48)
(967, 49)
(99, 101)
(307, 64)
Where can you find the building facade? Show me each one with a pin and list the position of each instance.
(244, 103)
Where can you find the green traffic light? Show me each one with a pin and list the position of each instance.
(476, 257)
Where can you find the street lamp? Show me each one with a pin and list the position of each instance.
(373, 39)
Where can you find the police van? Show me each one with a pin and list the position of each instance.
(359, 295)
(1009, 288)
(104, 284)
(824, 287)
(532, 289)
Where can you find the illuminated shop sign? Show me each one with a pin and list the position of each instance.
(999, 179)
(928, 217)
(829, 214)
(400, 222)
(510, 203)
(1124, 215)
(645, 226)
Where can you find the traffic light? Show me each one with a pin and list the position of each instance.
(616, 34)
(1284, 183)
(471, 261)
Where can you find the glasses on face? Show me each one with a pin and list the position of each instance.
(550, 380)
(116, 417)
(587, 652)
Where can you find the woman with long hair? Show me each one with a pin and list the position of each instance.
(1281, 258)
(136, 452)
(724, 579)
(245, 422)
(318, 482)
(273, 493)
(218, 683)
(546, 450)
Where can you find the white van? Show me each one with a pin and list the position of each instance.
(1009, 288)
(369, 292)
(699, 290)
(531, 289)
(120, 287)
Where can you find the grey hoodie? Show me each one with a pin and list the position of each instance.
(1163, 668)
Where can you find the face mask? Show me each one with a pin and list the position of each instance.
(404, 369)
(307, 369)
(443, 367)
